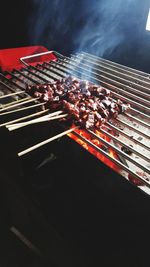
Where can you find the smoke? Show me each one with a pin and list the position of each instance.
(99, 27)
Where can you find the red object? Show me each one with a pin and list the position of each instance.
(10, 58)
(134, 180)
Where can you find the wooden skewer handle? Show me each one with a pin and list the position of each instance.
(34, 120)
(45, 142)
(20, 125)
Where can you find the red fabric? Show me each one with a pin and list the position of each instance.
(10, 58)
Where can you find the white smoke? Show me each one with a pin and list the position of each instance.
(98, 26)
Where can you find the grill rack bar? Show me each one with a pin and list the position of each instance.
(111, 158)
(127, 135)
(25, 76)
(127, 79)
(124, 144)
(137, 73)
(119, 151)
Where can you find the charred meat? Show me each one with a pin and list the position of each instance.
(87, 104)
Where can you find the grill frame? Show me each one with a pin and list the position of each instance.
(73, 66)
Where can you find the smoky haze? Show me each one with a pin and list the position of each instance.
(97, 26)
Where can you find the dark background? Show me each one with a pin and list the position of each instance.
(112, 29)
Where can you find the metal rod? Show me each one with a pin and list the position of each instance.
(124, 144)
(130, 70)
(25, 240)
(26, 76)
(136, 119)
(11, 82)
(120, 152)
(35, 74)
(112, 159)
(16, 78)
(119, 73)
(53, 70)
(127, 135)
(42, 72)
(133, 128)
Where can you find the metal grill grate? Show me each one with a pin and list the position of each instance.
(129, 133)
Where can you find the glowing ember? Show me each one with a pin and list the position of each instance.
(96, 142)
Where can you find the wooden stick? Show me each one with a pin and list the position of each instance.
(45, 142)
(12, 94)
(25, 108)
(39, 120)
(20, 103)
(24, 118)
(14, 102)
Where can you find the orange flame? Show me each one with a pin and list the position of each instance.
(99, 144)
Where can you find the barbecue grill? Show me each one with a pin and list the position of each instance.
(123, 143)
(78, 200)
